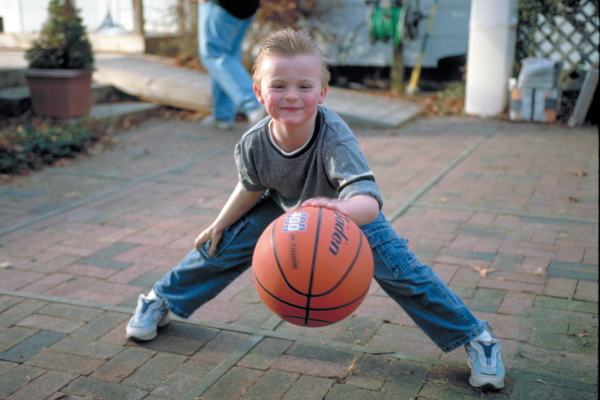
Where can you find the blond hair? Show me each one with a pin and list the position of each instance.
(289, 43)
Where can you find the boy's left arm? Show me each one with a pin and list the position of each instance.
(361, 209)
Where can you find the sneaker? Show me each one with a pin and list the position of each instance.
(212, 123)
(487, 370)
(148, 316)
(256, 115)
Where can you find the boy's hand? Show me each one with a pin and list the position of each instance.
(362, 209)
(326, 202)
(210, 233)
(238, 204)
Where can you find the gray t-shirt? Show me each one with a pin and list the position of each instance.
(330, 164)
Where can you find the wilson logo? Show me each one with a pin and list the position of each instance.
(338, 236)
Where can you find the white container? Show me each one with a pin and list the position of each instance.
(490, 56)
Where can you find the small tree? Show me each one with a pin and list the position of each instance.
(63, 43)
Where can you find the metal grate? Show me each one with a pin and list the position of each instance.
(571, 37)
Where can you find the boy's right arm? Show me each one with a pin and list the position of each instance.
(239, 203)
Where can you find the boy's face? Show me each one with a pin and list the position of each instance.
(291, 89)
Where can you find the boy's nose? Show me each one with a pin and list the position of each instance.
(291, 94)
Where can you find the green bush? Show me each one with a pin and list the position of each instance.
(26, 147)
(63, 43)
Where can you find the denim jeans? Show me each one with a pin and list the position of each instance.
(439, 312)
(220, 44)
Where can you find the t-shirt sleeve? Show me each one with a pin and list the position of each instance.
(247, 172)
(349, 172)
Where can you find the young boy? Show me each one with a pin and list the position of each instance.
(303, 154)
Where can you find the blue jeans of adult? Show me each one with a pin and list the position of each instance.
(439, 312)
(220, 45)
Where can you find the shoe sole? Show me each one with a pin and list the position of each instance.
(485, 383)
(222, 126)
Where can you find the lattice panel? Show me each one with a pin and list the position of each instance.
(572, 39)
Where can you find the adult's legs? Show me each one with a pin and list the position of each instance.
(220, 37)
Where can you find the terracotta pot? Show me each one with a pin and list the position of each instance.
(62, 93)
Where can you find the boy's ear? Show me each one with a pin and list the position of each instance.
(323, 94)
(258, 94)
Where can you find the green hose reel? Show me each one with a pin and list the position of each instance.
(391, 21)
(387, 23)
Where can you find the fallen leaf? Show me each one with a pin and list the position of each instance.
(580, 174)
(483, 271)
(582, 334)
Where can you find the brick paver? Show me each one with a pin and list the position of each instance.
(79, 243)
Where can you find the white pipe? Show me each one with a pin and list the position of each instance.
(490, 55)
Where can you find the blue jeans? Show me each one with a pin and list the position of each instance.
(439, 312)
(220, 36)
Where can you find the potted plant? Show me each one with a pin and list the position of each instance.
(60, 64)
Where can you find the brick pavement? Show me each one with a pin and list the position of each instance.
(506, 213)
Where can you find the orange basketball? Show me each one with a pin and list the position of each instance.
(312, 266)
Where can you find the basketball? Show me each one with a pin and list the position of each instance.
(312, 266)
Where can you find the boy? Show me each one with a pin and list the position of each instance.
(303, 154)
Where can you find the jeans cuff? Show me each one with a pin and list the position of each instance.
(478, 330)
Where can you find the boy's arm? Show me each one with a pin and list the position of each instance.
(362, 209)
(240, 202)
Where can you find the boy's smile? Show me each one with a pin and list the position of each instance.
(291, 90)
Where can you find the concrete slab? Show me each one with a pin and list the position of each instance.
(157, 80)
(115, 113)
(370, 109)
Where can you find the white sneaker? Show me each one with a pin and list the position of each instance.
(212, 123)
(148, 316)
(487, 370)
(255, 116)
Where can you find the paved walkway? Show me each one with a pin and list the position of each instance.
(506, 213)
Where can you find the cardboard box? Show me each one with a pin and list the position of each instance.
(534, 104)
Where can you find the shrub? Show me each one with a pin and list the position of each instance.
(27, 147)
(63, 43)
